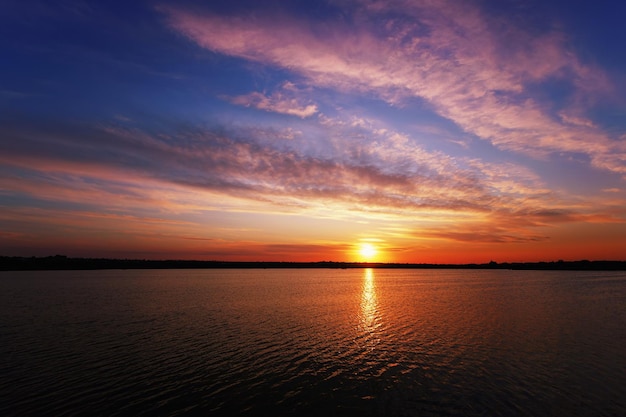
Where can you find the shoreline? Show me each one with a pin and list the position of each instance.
(60, 262)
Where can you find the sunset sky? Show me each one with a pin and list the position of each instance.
(432, 131)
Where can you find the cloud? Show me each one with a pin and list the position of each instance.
(241, 163)
(285, 101)
(126, 171)
(275, 103)
(482, 234)
(476, 70)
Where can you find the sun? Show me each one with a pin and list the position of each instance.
(367, 251)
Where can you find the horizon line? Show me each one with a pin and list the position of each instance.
(56, 262)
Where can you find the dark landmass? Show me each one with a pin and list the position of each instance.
(60, 262)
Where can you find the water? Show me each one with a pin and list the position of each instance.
(313, 342)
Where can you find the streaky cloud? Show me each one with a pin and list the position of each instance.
(387, 177)
(286, 100)
(474, 71)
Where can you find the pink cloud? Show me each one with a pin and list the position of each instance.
(386, 177)
(286, 100)
(473, 69)
(275, 103)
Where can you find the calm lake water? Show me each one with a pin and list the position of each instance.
(355, 342)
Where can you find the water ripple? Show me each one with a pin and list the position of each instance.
(354, 342)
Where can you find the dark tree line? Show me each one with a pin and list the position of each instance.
(60, 262)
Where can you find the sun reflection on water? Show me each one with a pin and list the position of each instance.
(370, 320)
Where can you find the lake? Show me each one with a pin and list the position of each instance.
(311, 342)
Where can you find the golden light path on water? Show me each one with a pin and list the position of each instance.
(370, 321)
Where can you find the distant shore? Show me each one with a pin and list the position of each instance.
(60, 262)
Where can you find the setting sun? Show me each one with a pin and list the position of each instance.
(367, 251)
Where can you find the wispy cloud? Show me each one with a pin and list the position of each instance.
(475, 70)
(286, 100)
(385, 178)
(482, 234)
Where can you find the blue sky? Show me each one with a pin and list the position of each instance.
(293, 130)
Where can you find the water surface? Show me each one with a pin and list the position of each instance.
(313, 342)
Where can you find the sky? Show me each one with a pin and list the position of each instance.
(419, 131)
